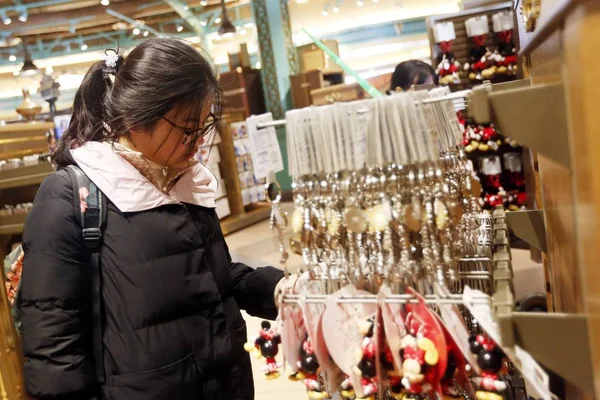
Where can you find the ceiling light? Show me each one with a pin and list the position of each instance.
(375, 1)
(360, 3)
(226, 29)
(12, 58)
(105, 2)
(203, 23)
(23, 16)
(6, 20)
(16, 73)
(243, 32)
(335, 9)
(203, 3)
(179, 28)
(136, 31)
(145, 33)
(186, 7)
(218, 20)
(49, 69)
(258, 65)
(84, 47)
(28, 68)
(324, 13)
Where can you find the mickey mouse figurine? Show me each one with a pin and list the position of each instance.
(365, 359)
(267, 345)
(347, 389)
(394, 377)
(308, 370)
(490, 360)
(418, 355)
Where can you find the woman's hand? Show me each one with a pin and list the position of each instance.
(293, 284)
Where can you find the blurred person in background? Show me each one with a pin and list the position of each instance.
(410, 73)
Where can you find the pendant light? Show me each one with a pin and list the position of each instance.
(227, 29)
(29, 68)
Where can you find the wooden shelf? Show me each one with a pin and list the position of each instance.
(12, 224)
(27, 127)
(24, 176)
(237, 222)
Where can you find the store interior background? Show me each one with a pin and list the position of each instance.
(64, 37)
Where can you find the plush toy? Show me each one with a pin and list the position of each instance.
(308, 371)
(448, 388)
(365, 359)
(266, 345)
(418, 354)
(394, 376)
(503, 23)
(480, 66)
(346, 389)
(490, 360)
(447, 66)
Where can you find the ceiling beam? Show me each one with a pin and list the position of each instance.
(133, 22)
(135, 9)
(188, 16)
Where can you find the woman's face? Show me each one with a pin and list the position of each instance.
(167, 144)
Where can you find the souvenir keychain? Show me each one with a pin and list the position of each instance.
(365, 366)
(490, 360)
(267, 345)
(309, 370)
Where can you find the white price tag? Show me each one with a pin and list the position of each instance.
(536, 377)
(264, 147)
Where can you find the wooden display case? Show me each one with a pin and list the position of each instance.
(240, 216)
(304, 83)
(557, 117)
(243, 92)
(18, 184)
(462, 44)
(311, 57)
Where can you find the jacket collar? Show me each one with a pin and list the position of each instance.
(130, 191)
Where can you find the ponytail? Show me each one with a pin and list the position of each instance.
(89, 110)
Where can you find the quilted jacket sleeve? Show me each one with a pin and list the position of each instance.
(254, 289)
(54, 301)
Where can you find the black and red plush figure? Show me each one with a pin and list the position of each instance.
(448, 68)
(503, 23)
(394, 377)
(266, 345)
(308, 371)
(365, 366)
(482, 62)
(490, 359)
(347, 389)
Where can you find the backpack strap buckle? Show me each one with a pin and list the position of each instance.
(91, 235)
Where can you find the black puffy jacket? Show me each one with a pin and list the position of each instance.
(171, 304)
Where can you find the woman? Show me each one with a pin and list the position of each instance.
(171, 296)
(410, 73)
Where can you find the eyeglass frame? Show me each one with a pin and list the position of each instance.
(192, 132)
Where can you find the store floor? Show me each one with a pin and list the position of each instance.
(258, 246)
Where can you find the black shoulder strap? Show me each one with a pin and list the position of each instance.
(90, 207)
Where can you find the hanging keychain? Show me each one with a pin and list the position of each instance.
(266, 345)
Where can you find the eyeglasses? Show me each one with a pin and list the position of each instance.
(209, 124)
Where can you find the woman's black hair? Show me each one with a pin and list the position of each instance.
(412, 72)
(157, 76)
